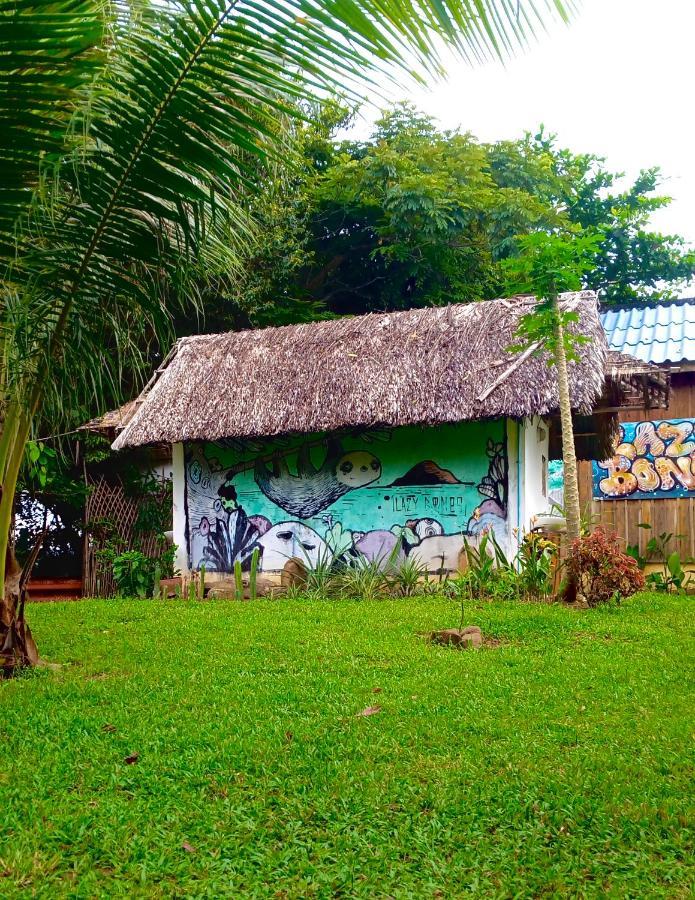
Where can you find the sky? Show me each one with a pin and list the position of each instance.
(617, 81)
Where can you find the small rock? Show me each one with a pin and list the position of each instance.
(294, 573)
(456, 637)
(222, 593)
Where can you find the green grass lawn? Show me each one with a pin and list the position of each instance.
(558, 763)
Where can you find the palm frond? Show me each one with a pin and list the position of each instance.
(182, 107)
(50, 53)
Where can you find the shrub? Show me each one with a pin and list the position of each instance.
(600, 571)
(535, 559)
(407, 578)
(133, 574)
(364, 581)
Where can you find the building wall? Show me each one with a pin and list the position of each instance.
(406, 492)
(536, 435)
(662, 509)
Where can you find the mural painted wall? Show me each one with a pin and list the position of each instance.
(373, 495)
(654, 460)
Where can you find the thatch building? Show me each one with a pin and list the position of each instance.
(382, 435)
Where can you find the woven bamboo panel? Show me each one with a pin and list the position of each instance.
(108, 501)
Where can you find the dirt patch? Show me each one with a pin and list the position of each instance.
(492, 643)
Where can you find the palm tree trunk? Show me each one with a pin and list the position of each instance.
(569, 457)
(17, 647)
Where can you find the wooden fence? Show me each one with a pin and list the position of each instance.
(623, 516)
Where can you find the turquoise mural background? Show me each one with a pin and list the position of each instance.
(359, 494)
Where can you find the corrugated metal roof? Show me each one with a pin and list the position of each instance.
(661, 333)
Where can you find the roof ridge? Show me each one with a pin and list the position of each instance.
(415, 311)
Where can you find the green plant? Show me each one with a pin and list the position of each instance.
(535, 560)
(320, 579)
(406, 578)
(157, 587)
(253, 573)
(587, 519)
(345, 237)
(365, 580)
(488, 571)
(238, 581)
(154, 496)
(133, 574)
(672, 575)
(201, 582)
(598, 571)
(548, 264)
(480, 566)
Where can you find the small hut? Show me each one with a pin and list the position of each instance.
(375, 437)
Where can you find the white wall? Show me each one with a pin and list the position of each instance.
(535, 439)
(513, 490)
(179, 500)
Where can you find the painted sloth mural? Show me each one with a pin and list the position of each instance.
(652, 460)
(332, 500)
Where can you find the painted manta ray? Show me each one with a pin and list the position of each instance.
(312, 490)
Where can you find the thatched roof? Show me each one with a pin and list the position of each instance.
(422, 366)
(112, 421)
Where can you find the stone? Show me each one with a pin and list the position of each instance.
(225, 588)
(463, 638)
(170, 585)
(294, 574)
(221, 593)
(265, 587)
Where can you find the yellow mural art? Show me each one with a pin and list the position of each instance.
(653, 459)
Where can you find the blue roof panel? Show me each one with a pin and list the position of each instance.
(656, 334)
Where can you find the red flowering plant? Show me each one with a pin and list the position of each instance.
(599, 571)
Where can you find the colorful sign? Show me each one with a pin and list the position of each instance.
(373, 495)
(653, 460)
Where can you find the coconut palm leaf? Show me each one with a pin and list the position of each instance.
(49, 55)
(187, 101)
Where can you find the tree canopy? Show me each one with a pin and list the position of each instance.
(418, 216)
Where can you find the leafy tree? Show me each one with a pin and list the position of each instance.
(413, 218)
(632, 262)
(49, 510)
(268, 289)
(127, 129)
(416, 216)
